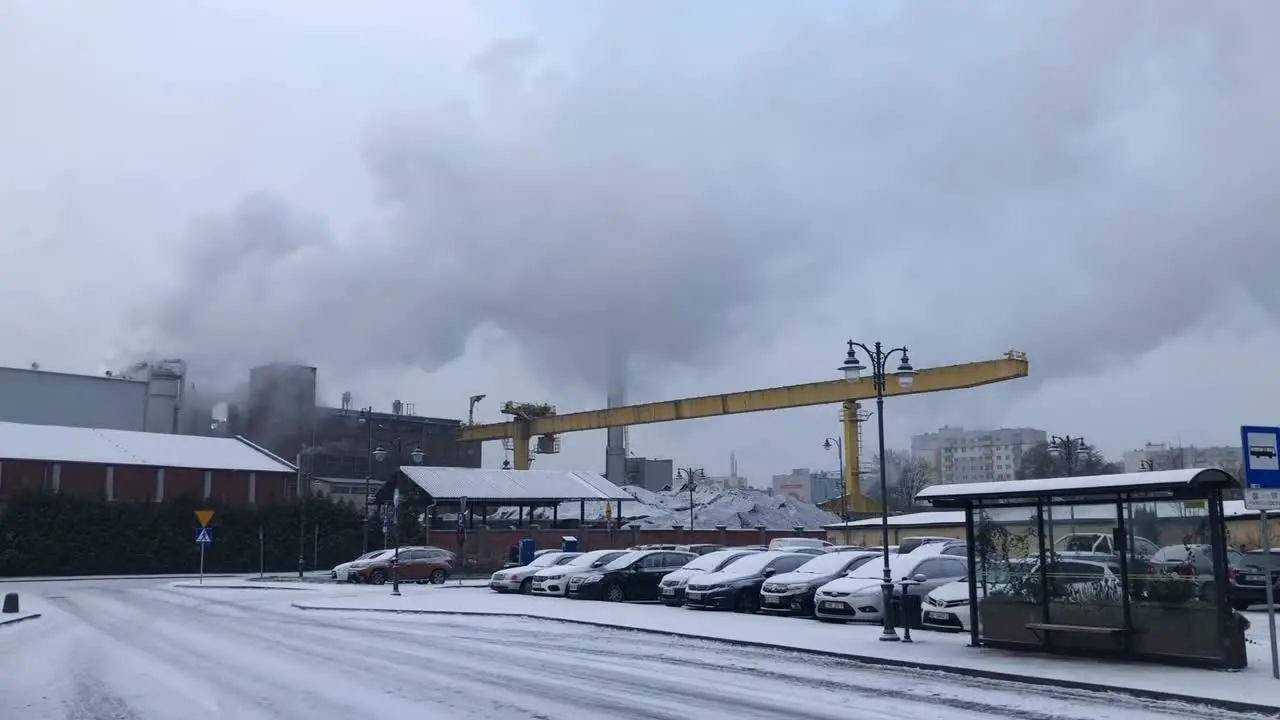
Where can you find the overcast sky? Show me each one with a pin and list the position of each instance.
(428, 200)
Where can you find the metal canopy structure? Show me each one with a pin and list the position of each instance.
(1084, 490)
(448, 485)
(1021, 611)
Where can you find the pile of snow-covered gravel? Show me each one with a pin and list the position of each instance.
(712, 506)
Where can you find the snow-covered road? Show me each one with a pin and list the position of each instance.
(143, 650)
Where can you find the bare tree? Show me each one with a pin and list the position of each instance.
(906, 476)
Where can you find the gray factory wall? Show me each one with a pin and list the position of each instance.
(46, 398)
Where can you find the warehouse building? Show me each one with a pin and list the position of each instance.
(122, 465)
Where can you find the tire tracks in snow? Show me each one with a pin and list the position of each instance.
(727, 690)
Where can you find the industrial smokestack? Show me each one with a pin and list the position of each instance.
(615, 453)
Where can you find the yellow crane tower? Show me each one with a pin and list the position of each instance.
(541, 421)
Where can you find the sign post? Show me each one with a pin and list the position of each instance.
(262, 556)
(204, 536)
(460, 524)
(1262, 493)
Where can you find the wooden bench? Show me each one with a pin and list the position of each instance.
(1041, 629)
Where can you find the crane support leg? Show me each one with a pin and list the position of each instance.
(852, 458)
(520, 445)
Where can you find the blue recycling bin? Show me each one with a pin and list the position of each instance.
(568, 543)
(527, 548)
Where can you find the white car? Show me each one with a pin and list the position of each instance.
(671, 589)
(947, 608)
(792, 544)
(520, 579)
(341, 571)
(858, 596)
(555, 579)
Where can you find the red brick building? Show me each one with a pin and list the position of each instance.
(119, 465)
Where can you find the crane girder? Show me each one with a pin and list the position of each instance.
(948, 377)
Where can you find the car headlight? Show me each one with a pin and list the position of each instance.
(594, 577)
(717, 588)
(499, 576)
(553, 577)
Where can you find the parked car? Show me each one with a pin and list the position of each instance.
(1084, 544)
(791, 543)
(909, 544)
(737, 585)
(342, 572)
(847, 548)
(416, 564)
(699, 548)
(671, 590)
(1246, 577)
(792, 593)
(633, 576)
(520, 579)
(859, 596)
(947, 607)
(554, 580)
(654, 546)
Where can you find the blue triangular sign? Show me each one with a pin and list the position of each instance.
(204, 536)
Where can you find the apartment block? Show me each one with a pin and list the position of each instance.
(964, 456)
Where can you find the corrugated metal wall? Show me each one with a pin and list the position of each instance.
(47, 398)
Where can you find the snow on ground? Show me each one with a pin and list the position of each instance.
(154, 651)
(735, 508)
(1254, 684)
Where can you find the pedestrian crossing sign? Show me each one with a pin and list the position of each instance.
(204, 536)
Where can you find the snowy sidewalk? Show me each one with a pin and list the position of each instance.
(1253, 685)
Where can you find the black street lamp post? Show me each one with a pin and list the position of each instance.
(844, 486)
(1071, 450)
(691, 475)
(366, 419)
(380, 454)
(905, 374)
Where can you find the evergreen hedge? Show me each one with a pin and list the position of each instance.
(51, 534)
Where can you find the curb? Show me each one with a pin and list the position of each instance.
(1229, 705)
(240, 587)
(15, 621)
(93, 578)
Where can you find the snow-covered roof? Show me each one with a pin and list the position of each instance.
(486, 485)
(919, 519)
(56, 443)
(1083, 513)
(941, 495)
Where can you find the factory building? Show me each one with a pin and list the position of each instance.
(145, 398)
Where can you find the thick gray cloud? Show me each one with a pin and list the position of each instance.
(1084, 181)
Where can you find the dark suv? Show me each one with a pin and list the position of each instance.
(1246, 577)
(634, 576)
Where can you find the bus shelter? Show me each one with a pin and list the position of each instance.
(1134, 566)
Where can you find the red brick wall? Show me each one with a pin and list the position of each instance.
(489, 548)
(18, 476)
(183, 483)
(134, 483)
(275, 488)
(229, 487)
(82, 480)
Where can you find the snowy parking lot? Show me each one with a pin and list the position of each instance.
(141, 649)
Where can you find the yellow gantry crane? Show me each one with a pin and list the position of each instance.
(541, 421)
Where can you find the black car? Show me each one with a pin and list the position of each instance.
(672, 586)
(1246, 576)
(792, 593)
(634, 576)
(737, 586)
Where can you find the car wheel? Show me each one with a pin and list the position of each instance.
(613, 593)
(437, 577)
(746, 602)
(377, 577)
(526, 586)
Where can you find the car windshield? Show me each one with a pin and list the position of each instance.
(585, 559)
(899, 565)
(711, 560)
(749, 564)
(826, 564)
(546, 560)
(625, 559)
